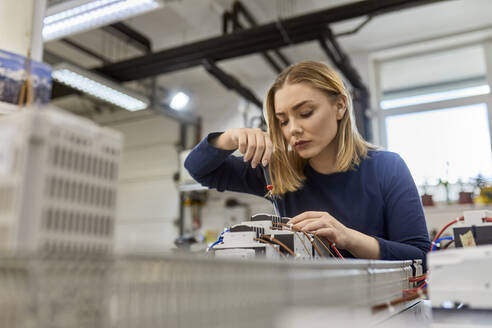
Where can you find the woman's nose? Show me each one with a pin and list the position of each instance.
(295, 128)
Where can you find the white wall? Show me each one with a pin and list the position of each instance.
(15, 25)
(148, 199)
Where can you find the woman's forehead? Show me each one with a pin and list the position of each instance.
(290, 95)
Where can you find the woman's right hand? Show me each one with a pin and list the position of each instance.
(254, 144)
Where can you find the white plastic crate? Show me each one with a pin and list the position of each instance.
(58, 182)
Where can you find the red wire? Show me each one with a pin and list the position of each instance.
(486, 219)
(419, 278)
(336, 251)
(461, 218)
(415, 289)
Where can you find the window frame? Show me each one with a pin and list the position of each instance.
(378, 115)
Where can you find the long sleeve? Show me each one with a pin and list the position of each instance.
(404, 216)
(219, 169)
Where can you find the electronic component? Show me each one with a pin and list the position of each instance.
(269, 235)
(460, 275)
(475, 229)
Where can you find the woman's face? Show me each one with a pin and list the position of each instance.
(308, 118)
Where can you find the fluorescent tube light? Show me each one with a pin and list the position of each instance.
(83, 15)
(99, 87)
(179, 101)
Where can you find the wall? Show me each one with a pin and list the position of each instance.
(147, 199)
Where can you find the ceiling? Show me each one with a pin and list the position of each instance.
(185, 21)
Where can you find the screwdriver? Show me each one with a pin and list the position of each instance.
(270, 188)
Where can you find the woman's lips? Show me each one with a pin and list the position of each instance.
(301, 144)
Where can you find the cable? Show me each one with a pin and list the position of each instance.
(219, 240)
(311, 239)
(295, 229)
(336, 251)
(332, 245)
(276, 241)
(448, 244)
(418, 278)
(461, 218)
(215, 243)
(323, 244)
(269, 243)
(413, 290)
(438, 242)
(397, 301)
(303, 244)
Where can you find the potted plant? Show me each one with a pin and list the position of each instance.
(465, 197)
(426, 198)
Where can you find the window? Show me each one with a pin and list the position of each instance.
(435, 111)
(448, 144)
(442, 75)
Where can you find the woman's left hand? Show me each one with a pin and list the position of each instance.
(324, 225)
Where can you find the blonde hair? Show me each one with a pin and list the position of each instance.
(287, 167)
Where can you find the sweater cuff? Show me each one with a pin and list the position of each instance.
(205, 145)
(392, 250)
(383, 248)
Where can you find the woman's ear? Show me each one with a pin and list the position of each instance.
(341, 106)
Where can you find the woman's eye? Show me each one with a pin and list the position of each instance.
(306, 114)
(283, 123)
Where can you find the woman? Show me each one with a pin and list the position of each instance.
(325, 176)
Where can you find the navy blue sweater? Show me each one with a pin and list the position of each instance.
(379, 198)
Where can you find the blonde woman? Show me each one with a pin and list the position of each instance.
(325, 176)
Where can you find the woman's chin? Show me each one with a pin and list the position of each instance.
(306, 153)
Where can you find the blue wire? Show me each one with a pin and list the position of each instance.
(439, 240)
(215, 243)
(219, 240)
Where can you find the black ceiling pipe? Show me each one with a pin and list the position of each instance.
(360, 92)
(231, 83)
(239, 8)
(273, 64)
(257, 39)
(86, 50)
(127, 33)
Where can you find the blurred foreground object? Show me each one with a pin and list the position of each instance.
(58, 182)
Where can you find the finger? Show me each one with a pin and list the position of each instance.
(304, 216)
(242, 142)
(251, 147)
(316, 225)
(329, 234)
(260, 148)
(268, 150)
(303, 223)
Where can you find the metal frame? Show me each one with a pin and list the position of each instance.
(239, 8)
(260, 38)
(360, 92)
(126, 33)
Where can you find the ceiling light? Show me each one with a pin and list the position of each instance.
(81, 15)
(99, 87)
(179, 101)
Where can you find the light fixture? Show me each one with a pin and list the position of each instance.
(99, 87)
(179, 101)
(80, 15)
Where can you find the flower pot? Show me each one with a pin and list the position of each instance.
(465, 197)
(427, 200)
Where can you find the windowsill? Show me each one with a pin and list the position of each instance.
(443, 207)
